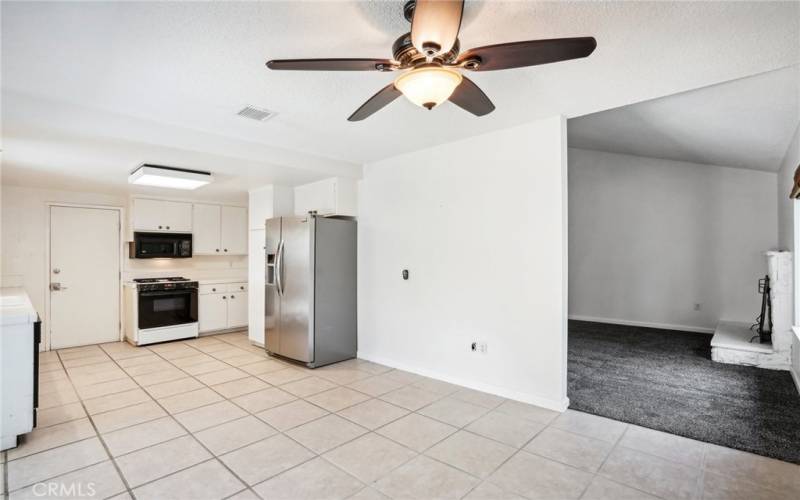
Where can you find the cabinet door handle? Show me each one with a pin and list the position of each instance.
(233, 297)
(224, 297)
(226, 249)
(241, 288)
(167, 227)
(160, 227)
(217, 249)
(213, 289)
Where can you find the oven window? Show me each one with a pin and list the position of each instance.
(167, 308)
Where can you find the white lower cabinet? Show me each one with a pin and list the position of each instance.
(212, 312)
(222, 306)
(237, 309)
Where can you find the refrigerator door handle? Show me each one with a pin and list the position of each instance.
(279, 268)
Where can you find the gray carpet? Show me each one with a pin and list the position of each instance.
(665, 380)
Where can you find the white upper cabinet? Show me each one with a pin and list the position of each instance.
(334, 196)
(207, 225)
(219, 230)
(234, 230)
(162, 215)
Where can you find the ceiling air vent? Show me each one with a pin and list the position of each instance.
(255, 113)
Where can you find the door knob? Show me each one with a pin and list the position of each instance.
(56, 270)
(57, 287)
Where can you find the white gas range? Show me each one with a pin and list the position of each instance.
(160, 309)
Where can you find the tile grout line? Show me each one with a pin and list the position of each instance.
(596, 473)
(372, 375)
(617, 444)
(97, 433)
(213, 456)
(405, 385)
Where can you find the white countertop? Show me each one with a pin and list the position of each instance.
(213, 281)
(16, 307)
(223, 280)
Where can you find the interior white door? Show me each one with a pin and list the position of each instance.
(234, 230)
(84, 276)
(205, 232)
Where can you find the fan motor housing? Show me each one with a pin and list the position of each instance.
(407, 55)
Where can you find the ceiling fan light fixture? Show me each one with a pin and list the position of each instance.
(428, 86)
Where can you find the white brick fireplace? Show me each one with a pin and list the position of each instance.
(731, 341)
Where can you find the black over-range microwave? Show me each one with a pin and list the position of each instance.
(161, 245)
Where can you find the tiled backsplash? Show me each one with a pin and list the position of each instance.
(199, 267)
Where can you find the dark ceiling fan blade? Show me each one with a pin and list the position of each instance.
(529, 53)
(470, 97)
(331, 64)
(384, 96)
(435, 25)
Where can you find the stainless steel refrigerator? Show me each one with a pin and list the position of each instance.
(311, 289)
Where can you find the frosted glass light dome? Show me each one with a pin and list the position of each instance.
(428, 86)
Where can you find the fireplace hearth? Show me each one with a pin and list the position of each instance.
(768, 342)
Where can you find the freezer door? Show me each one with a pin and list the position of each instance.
(295, 278)
(335, 336)
(272, 302)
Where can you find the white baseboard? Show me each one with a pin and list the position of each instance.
(646, 324)
(550, 404)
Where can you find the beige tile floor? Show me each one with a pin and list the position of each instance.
(216, 418)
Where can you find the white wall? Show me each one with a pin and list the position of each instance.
(480, 225)
(23, 215)
(650, 238)
(787, 210)
(785, 182)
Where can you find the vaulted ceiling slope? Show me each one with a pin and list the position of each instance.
(174, 74)
(746, 123)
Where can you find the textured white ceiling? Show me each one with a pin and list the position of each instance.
(173, 74)
(746, 123)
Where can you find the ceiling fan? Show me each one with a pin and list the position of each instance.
(430, 54)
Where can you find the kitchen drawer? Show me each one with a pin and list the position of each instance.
(237, 287)
(215, 288)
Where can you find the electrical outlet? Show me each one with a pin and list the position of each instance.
(697, 306)
(478, 346)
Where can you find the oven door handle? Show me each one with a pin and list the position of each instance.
(184, 291)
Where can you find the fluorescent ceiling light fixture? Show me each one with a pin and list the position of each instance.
(169, 177)
(428, 85)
